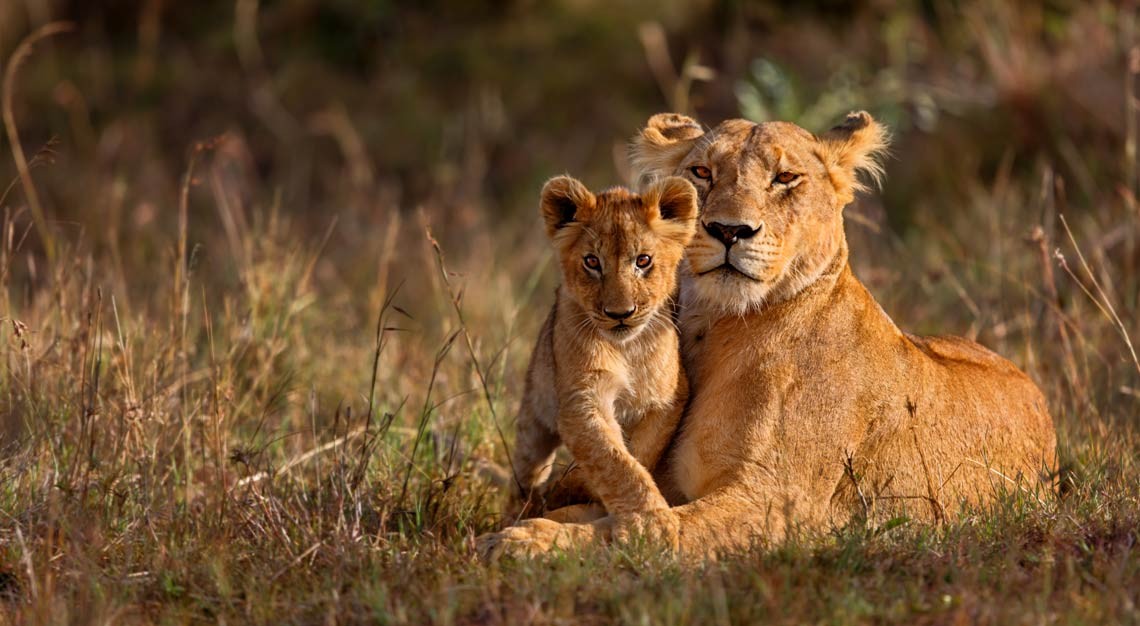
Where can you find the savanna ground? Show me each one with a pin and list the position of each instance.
(270, 272)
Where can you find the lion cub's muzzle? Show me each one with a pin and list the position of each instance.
(622, 324)
(620, 313)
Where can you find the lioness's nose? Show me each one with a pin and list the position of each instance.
(620, 315)
(729, 234)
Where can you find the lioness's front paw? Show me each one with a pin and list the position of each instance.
(659, 527)
(529, 538)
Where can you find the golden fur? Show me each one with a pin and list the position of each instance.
(809, 407)
(610, 387)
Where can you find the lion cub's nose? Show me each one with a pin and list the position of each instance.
(620, 315)
(729, 234)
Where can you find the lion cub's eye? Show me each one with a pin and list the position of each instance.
(592, 262)
(786, 178)
(701, 172)
(644, 261)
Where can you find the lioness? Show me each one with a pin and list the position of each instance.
(605, 376)
(809, 406)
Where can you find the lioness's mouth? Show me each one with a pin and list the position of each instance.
(727, 268)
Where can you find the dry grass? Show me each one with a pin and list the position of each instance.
(222, 402)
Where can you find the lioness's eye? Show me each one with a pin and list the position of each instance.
(785, 178)
(592, 262)
(701, 172)
(644, 261)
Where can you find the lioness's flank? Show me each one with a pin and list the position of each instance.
(605, 376)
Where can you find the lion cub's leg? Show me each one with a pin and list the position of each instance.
(592, 434)
(533, 459)
(568, 487)
(651, 435)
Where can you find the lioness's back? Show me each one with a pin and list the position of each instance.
(950, 348)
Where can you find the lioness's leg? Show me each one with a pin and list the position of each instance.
(734, 517)
(726, 520)
(577, 513)
(594, 438)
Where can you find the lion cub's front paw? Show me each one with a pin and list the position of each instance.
(659, 527)
(570, 488)
(517, 509)
(528, 539)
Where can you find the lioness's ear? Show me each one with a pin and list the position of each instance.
(563, 198)
(671, 208)
(658, 149)
(856, 145)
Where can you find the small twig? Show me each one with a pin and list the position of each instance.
(23, 51)
(849, 470)
(299, 459)
(455, 303)
(652, 37)
(26, 557)
(1038, 237)
(362, 466)
(296, 561)
(932, 495)
(425, 413)
(1106, 308)
(675, 86)
(92, 397)
(219, 447)
(1131, 105)
(1016, 483)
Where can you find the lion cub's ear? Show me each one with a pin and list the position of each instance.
(563, 199)
(671, 208)
(856, 145)
(658, 149)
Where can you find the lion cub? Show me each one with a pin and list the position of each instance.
(605, 376)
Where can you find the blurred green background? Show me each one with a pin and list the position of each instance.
(469, 101)
(350, 128)
(353, 126)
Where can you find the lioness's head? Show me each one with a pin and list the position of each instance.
(619, 251)
(771, 199)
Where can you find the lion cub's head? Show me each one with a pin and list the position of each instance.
(619, 251)
(771, 197)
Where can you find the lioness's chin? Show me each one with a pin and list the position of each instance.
(726, 292)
